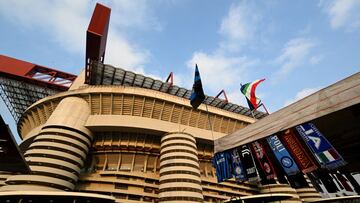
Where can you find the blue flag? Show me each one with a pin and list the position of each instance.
(282, 155)
(197, 95)
(325, 153)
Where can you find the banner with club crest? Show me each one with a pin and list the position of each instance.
(282, 155)
(325, 153)
(263, 160)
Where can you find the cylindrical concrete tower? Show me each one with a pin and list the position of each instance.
(58, 151)
(281, 188)
(179, 169)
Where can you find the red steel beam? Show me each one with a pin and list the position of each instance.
(96, 36)
(224, 93)
(25, 71)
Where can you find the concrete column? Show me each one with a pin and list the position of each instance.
(179, 169)
(58, 152)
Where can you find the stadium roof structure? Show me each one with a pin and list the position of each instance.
(23, 83)
(102, 74)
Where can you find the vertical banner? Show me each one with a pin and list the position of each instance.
(264, 160)
(302, 157)
(344, 182)
(325, 153)
(237, 167)
(282, 155)
(248, 163)
(222, 164)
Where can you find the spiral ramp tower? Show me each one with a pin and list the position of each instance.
(281, 188)
(179, 169)
(58, 152)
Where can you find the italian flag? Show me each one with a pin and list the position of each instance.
(328, 156)
(249, 91)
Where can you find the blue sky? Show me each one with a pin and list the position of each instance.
(298, 46)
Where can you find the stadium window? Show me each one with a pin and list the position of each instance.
(150, 164)
(139, 162)
(149, 181)
(121, 186)
(147, 199)
(209, 169)
(100, 161)
(157, 165)
(126, 162)
(148, 190)
(120, 196)
(202, 168)
(134, 197)
(112, 162)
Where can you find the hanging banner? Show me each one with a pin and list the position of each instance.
(222, 164)
(327, 181)
(302, 158)
(282, 155)
(264, 160)
(248, 164)
(325, 153)
(344, 182)
(237, 167)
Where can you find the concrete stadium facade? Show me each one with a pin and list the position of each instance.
(132, 143)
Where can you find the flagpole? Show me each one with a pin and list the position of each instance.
(262, 104)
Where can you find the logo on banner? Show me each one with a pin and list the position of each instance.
(316, 140)
(267, 168)
(287, 162)
(282, 155)
(238, 170)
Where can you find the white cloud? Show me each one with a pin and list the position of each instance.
(219, 71)
(343, 13)
(239, 26)
(294, 54)
(314, 60)
(122, 54)
(134, 14)
(301, 94)
(66, 23)
(225, 68)
(64, 20)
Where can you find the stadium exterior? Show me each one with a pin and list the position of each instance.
(115, 135)
(131, 140)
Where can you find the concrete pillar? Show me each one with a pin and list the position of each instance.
(58, 152)
(179, 169)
